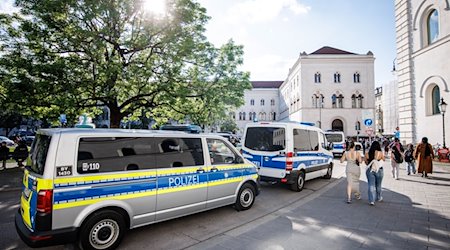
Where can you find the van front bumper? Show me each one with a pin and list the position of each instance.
(44, 238)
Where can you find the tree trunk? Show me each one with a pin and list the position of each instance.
(115, 117)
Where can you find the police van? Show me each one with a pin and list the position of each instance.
(288, 152)
(91, 185)
(338, 140)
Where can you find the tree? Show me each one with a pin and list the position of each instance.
(73, 56)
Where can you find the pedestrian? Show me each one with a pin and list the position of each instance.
(21, 153)
(374, 172)
(396, 157)
(352, 171)
(4, 154)
(409, 159)
(424, 155)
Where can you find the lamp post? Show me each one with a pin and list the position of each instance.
(443, 107)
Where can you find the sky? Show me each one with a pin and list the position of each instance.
(275, 32)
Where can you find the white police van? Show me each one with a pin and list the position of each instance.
(338, 140)
(91, 185)
(288, 152)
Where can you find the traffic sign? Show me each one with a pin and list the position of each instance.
(368, 122)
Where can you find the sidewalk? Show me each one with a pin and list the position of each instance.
(11, 178)
(415, 214)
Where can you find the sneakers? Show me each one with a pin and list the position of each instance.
(372, 203)
(358, 196)
(349, 201)
(380, 200)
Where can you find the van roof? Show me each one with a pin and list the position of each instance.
(284, 124)
(115, 132)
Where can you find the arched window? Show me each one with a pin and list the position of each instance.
(262, 102)
(317, 77)
(333, 100)
(359, 102)
(353, 101)
(274, 116)
(337, 77)
(240, 116)
(432, 26)
(252, 102)
(272, 102)
(340, 101)
(317, 101)
(435, 99)
(356, 78)
(243, 116)
(253, 116)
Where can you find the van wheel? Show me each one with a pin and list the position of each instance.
(298, 185)
(245, 198)
(103, 230)
(329, 172)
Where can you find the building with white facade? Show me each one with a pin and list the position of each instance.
(332, 88)
(379, 109)
(260, 104)
(390, 107)
(423, 49)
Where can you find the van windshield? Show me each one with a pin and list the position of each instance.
(38, 153)
(265, 139)
(334, 137)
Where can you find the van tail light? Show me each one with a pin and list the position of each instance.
(289, 161)
(45, 201)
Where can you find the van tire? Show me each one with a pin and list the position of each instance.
(329, 172)
(299, 183)
(246, 197)
(102, 230)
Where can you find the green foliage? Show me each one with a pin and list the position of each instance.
(73, 56)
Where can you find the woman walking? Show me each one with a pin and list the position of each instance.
(352, 171)
(424, 155)
(374, 160)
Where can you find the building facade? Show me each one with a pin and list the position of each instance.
(379, 109)
(333, 89)
(423, 47)
(260, 104)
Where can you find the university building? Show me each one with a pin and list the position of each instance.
(423, 49)
(329, 87)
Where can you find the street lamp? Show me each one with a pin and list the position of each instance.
(443, 107)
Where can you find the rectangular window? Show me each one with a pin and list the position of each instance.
(305, 140)
(301, 140)
(265, 138)
(38, 153)
(111, 154)
(220, 153)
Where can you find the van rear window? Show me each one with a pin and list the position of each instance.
(334, 138)
(265, 138)
(38, 153)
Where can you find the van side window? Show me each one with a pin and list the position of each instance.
(98, 155)
(305, 140)
(220, 153)
(179, 152)
(111, 154)
(314, 140)
(301, 140)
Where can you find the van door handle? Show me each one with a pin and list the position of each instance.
(200, 170)
(214, 169)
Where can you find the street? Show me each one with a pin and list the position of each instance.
(183, 232)
(415, 214)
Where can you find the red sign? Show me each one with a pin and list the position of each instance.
(443, 154)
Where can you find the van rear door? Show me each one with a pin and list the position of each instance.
(37, 197)
(265, 146)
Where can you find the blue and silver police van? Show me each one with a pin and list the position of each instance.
(91, 185)
(288, 152)
(338, 140)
